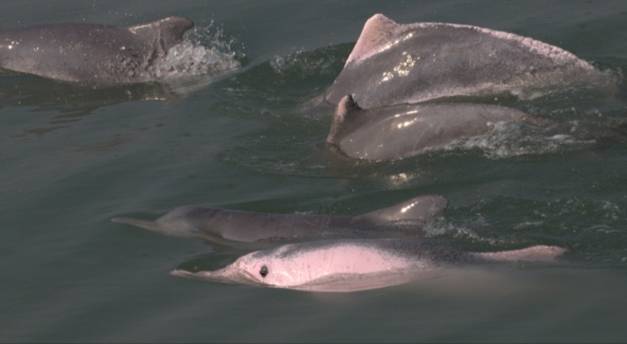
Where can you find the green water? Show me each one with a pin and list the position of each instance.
(73, 158)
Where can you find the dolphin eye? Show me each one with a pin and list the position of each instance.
(263, 271)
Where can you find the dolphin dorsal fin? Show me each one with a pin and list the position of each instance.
(346, 110)
(418, 210)
(376, 32)
(168, 31)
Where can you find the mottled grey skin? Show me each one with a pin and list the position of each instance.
(401, 131)
(393, 63)
(228, 227)
(91, 53)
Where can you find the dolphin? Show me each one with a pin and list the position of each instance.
(233, 227)
(357, 264)
(395, 63)
(91, 53)
(400, 131)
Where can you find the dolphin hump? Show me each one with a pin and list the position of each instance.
(376, 32)
(167, 31)
(346, 112)
(419, 209)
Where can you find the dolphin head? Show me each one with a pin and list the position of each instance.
(263, 268)
(328, 266)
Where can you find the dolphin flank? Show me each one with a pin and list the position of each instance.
(395, 63)
(401, 131)
(357, 264)
(229, 227)
(91, 53)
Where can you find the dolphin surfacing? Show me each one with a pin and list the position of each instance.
(401, 131)
(233, 227)
(395, 63)
(357, 264)
(91, 53)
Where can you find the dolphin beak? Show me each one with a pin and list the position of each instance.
(227, 274)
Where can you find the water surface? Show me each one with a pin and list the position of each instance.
(73, 158)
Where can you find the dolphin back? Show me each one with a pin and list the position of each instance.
(418, 210)
(394, 64)
(167, 32)
(91, 53)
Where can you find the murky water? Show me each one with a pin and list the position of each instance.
(238, 137)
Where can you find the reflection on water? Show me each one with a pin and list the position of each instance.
(70, 102)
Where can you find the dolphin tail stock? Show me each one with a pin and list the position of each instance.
(533, 254)
(418, 210)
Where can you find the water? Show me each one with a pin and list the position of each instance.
(72, 158)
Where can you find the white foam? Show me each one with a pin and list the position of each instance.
(280, 64)
(206, 51)
(511, 139)
(304, 63)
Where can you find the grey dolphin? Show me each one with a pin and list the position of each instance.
(356, 264)
(230, 227)
(91, 53)
(401, 131)
(393, 63)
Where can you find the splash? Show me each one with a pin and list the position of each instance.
(280, 64)
(513, 139)
(585, 224)
(305, 64)
(206, 52)
(568, 81)
(445, 228)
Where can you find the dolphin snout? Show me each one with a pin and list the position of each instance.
(227, 274)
